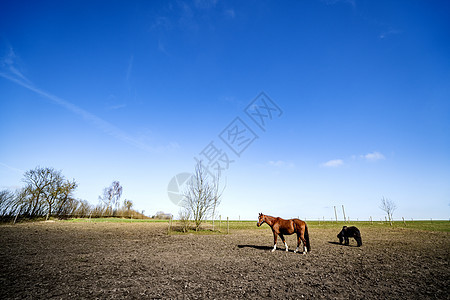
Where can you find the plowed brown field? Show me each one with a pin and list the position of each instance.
(139, 260)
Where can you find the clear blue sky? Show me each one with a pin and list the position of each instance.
(134, 90)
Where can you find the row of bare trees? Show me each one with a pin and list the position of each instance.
(47, 193)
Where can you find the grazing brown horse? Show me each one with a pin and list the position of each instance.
(283, 227)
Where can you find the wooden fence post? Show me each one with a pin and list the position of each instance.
(15, 219)
(343, 211)
(335, 213)
(228, 226)
(170, 225)
(404, 221)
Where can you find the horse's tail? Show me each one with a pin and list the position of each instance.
(308, 245)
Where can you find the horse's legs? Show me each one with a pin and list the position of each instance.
(301, 237)
(275, 235)
(298, 242)
(284, 241)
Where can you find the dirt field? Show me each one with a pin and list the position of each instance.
(139, 260)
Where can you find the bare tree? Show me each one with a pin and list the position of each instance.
(83, 209)
(6, 203)
(37, 183)
(66, 204)
(52, 190)
(202, 195)
(45, 192)
(128, 204)
(111, 196)
(184, 217)
(388, 206)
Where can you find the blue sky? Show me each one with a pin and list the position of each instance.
(134, 90)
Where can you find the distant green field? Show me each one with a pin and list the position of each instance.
(437, 225)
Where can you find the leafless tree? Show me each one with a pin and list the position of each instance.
(388, 206)
(45, 192)
(202, 195)
(84, 209)
(184, 217)
(128, 204)
(37, 184)
(6, 203)
(66, 204)
(111, 196)
(52, 190)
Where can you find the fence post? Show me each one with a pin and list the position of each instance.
(404, 221)
(220, 221)
(170, 225)
(335, 213)
(343, 211)
(228, 226)
(15, 219)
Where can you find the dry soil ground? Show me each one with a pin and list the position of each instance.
(139, 260)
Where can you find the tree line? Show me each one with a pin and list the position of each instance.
(47, 193)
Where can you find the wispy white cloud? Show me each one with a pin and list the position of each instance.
(352, 3)
(14, 169)
(189, 16)
(374, 156)
(205, 4)
(11, 73)
(385, 34)
(8, 63)
(230, 13)
(161, 23)
(117, 106)
(334, 163)
(162, 47)
(280, 164)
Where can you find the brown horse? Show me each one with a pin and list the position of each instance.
(283, 227)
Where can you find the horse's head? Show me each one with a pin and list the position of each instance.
(260, 220)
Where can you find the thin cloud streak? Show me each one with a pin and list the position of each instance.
(17, 170)
(334, 163)
(101, 124)
(374, 156)
(280, 164)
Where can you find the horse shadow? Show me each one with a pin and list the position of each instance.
(259, 247)
(339, 244)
